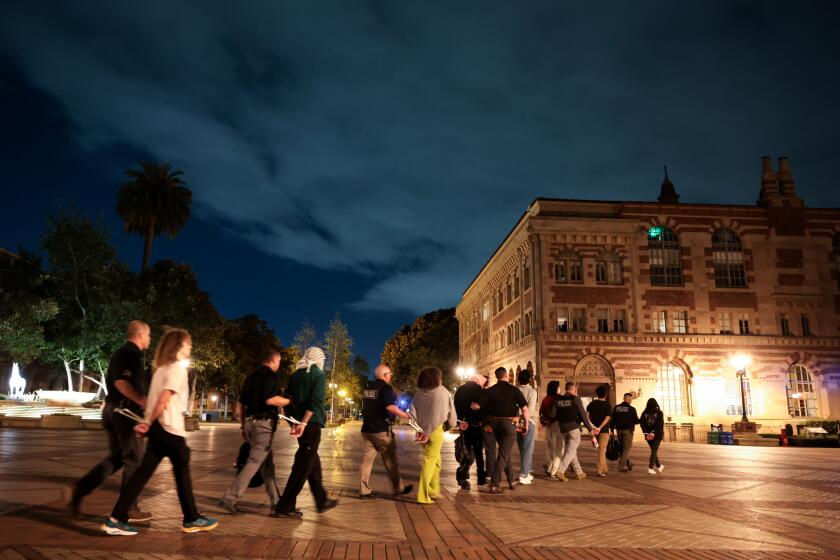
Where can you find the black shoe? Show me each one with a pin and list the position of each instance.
(406, 490)
(629, 466)
(496, 490)
(296, 514)
(512, 484)
(366, 496)
(327, 505)
(229, 506)
(465, 484)
(482, 482)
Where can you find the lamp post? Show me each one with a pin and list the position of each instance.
(341, 394)
(464, 373)
(332, 387)
(740, 363)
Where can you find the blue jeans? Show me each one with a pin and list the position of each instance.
(526, 449)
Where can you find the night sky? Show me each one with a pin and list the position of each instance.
(368, 157)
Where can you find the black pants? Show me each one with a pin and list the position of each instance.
(474, 443)
(654, 452)
(125, 452)
(306, 467)
(502, 437)
(161, 444)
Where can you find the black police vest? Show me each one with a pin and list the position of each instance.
(372, 408)
(566, 410)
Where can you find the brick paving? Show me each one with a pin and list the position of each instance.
(711, 502)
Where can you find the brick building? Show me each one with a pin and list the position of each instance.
(656, 298)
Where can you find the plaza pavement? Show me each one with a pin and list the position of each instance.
(710, 502)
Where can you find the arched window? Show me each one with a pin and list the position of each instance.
(516, 331)
(729, 259)
(802, 396)
(509, 334)
(526, 275)
(665, 257)
(674, 390)
(527, 324)
(568, 269)
(516, 286)
(608, 268)
(835, 245)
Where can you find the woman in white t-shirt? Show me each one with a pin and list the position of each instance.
(164, 426)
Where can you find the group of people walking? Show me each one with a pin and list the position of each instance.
(158, 414)
(491, 419)
(144, 426)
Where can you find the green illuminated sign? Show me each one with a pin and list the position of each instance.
(654, 232)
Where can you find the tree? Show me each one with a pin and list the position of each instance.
(360, 367)
(23, 309)
(305, 337)
(431, 340)
(155, 201)
(338, 347)
(172, 297)
(246, 337)
(92, 290)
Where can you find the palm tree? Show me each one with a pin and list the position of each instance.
(155, 201)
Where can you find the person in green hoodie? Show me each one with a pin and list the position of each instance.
(307, 390)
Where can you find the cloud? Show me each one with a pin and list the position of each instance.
(402, 140)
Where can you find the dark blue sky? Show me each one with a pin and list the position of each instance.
(367, 157)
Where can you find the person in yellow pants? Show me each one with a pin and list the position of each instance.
(432, 407)
(429, 487)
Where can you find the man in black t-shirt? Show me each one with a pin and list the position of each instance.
(379, 406)
(257, 413)
(470, 402)
(600, 415)
(504, 403)
(126, 384)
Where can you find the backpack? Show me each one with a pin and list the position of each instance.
(547, 410)
(614, 448)
(241, 459)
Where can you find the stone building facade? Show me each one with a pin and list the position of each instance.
(656, 298)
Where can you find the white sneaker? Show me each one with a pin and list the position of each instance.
(660, 468)
(651, 471)
(602, 474)
(524, 480)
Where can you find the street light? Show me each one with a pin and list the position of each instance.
(332, 399)
(465, 372)
(740, 363)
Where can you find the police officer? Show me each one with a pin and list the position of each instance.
(504, 403)
(257, 413)
(379, 406)
(126, 382)
(569, 411)
(470, 400)
(624, 420)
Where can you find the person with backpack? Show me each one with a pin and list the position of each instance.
(652, 424)
(553, 442)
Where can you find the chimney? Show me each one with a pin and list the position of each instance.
(786, 182)
(769, 183)
(667, 193)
